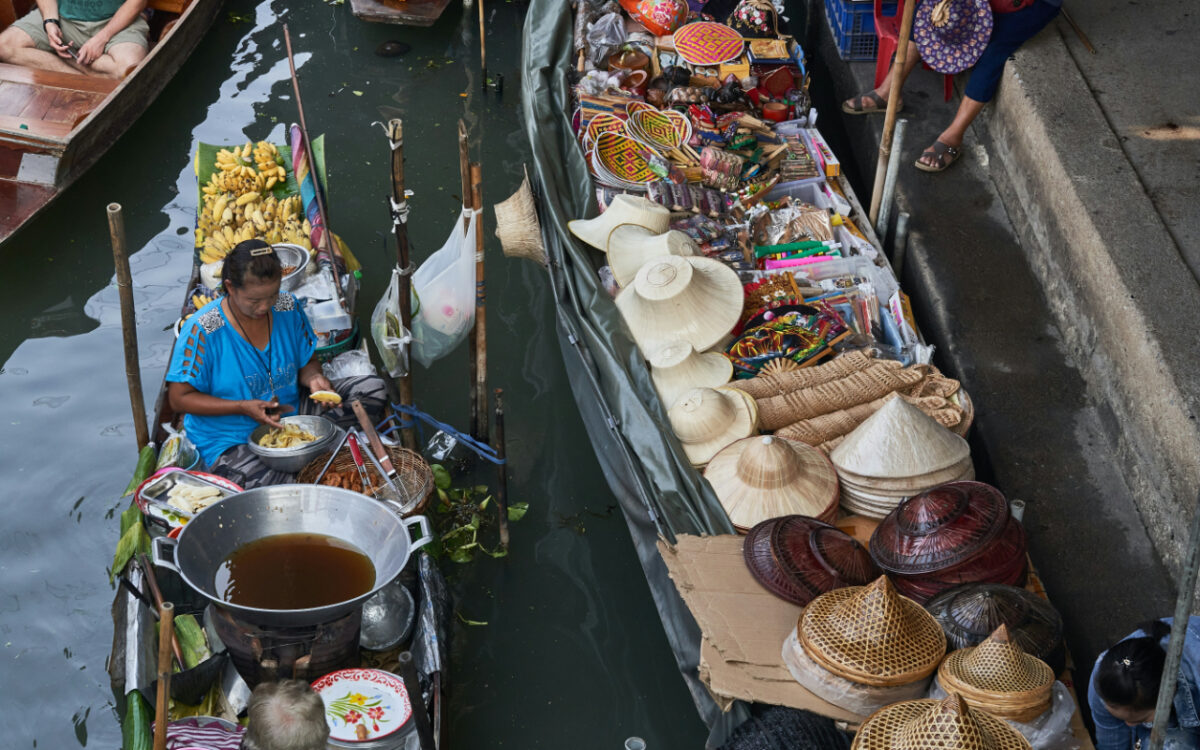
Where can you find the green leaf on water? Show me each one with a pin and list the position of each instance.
(441, 477)
(517, 511)
(465, 621)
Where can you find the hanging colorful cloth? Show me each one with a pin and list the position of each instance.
(306, 178)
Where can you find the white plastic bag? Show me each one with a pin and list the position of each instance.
(390, 336)
(1051, 730)
(444, 291)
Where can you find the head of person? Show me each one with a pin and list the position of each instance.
(251, 276)
(285, 715)
(1129, 673)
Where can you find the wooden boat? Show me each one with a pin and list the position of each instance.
(54, 126)
(403, 12)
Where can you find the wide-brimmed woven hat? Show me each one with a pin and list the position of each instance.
(631, 246)
(692, 299)
(517, 224)
(948, 724)
(951, 34)
(999, 677)
(871, 634)
(624, 209)
(939, 528)
(677, 368)
(707, 419)
(767, 477)
(899, 441)
(971, 612)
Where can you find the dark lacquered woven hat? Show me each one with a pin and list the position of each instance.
(1004, 560)
(939, 528)
(764, 565)
(820, 556)
(971, 612)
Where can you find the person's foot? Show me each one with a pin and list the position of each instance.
(865, 104)
(938, 157)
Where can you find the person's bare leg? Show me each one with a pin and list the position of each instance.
(17, 48)
(968, 110)
(911, 58)
(118, 60)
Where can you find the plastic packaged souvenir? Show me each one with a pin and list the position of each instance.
(177, 450)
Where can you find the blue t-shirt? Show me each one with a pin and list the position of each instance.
(212, 357)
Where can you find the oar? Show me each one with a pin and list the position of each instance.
(889, 120)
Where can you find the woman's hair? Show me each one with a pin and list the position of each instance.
(285, 715)
(1130, 671)
(254, 258)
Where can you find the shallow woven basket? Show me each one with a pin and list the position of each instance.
(413, 475)
(948, 724)
(999, 677)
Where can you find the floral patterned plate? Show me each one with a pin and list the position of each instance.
(363, 705)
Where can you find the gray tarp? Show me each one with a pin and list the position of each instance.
(659, 492)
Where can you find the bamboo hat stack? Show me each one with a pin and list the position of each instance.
(971, 612)
(862, 647)
(949, 724)
(899, 451)
(673, 298)
(624, 209)
(766, 477)
(631, 246)
(1000, 678)
(707, 419)
(677, 368)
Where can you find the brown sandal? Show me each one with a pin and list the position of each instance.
(865, 104)
(943, 156)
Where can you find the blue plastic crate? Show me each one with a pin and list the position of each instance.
(853, 25)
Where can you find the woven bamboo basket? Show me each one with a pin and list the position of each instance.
(414, 478)
(999, 677)
(948, 724)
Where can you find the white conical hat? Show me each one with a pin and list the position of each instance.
(672, 298)
(624, 209)
(677, 368)
(631, 246)
(898, 441)
(767, 477)
(707, 419)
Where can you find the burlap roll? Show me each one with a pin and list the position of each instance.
(861, 387)
(766, 386)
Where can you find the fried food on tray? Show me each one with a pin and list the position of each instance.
(290, 436)
(192, 499)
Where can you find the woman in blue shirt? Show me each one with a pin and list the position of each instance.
(241, 360)
(1123, 690)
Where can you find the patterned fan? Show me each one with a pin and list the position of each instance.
(654, 129)
(604, 123)
(706, 43)
(625, 158)
(635, 107)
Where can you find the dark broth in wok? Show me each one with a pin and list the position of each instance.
(294, 571)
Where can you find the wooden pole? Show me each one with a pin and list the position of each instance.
(889, 120)
(133, 371)
(1179, 627)
(479, 333)
(166, 634)
(408, 673)
(501, 469)
(156, 592)
(1087, 43)
(395, 134)
(464, 169)
(482, 50)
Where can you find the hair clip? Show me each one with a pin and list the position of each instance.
(1127, 662)
(256, 251)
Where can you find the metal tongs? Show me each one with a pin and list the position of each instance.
(382, 461)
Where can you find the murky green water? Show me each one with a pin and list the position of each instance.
(573, 653)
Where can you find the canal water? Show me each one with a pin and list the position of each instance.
(572, 652)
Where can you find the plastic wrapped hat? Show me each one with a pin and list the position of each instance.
(969, 613)
(672, 298)
(660, 17)
(999, 677)
(872, 635)
(767, 477)
(948, 724)
(631, 246)
(624, 209)
(707, 419)
(951, 34)
(677, 368)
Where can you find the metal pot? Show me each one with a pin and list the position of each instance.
(214, 533)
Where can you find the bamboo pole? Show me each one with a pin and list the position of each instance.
(501, 469)
(889, 120)
(156, 592)
(166, 634)
(395, 134)
(479, 331)
(482, 49)
(464, 169)
(1179, 627)
(408, 673)
(1087, 43)
(133, 371)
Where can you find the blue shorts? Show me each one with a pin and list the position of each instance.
(1010, 31)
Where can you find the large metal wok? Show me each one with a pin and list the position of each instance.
(214, 533)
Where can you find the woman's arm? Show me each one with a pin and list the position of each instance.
(312, 378)
(185, 399)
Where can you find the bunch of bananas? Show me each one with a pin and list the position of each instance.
(200, 300)
(237, 205)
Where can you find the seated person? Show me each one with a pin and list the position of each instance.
(241, 361)
(1123, 690)
(96, 37)
(285, 715)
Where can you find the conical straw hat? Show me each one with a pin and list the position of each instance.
(624, 209)
(767, 477)
(707, 419)
(899, 441)
(631, 246)
(871, 634)
(677, 368)
(697, 300)
(948, 724)
(1000, 675)
(517, 225)
(908, 486)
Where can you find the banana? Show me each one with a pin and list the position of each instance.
(228, 232)
(227, 217)
(218, 207)
(248, 198)
(260, 221)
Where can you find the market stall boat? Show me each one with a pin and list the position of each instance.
(402, 12)
(55, 126)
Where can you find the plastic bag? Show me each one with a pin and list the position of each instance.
(177, 450)
(390, 336)
(444, 291)
(604, 37)
(1051, 730)
(356, 362)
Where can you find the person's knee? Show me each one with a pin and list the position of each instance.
(127, 53)
(12, 40)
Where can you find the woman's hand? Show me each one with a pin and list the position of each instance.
(318, 382)
(264, 412)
